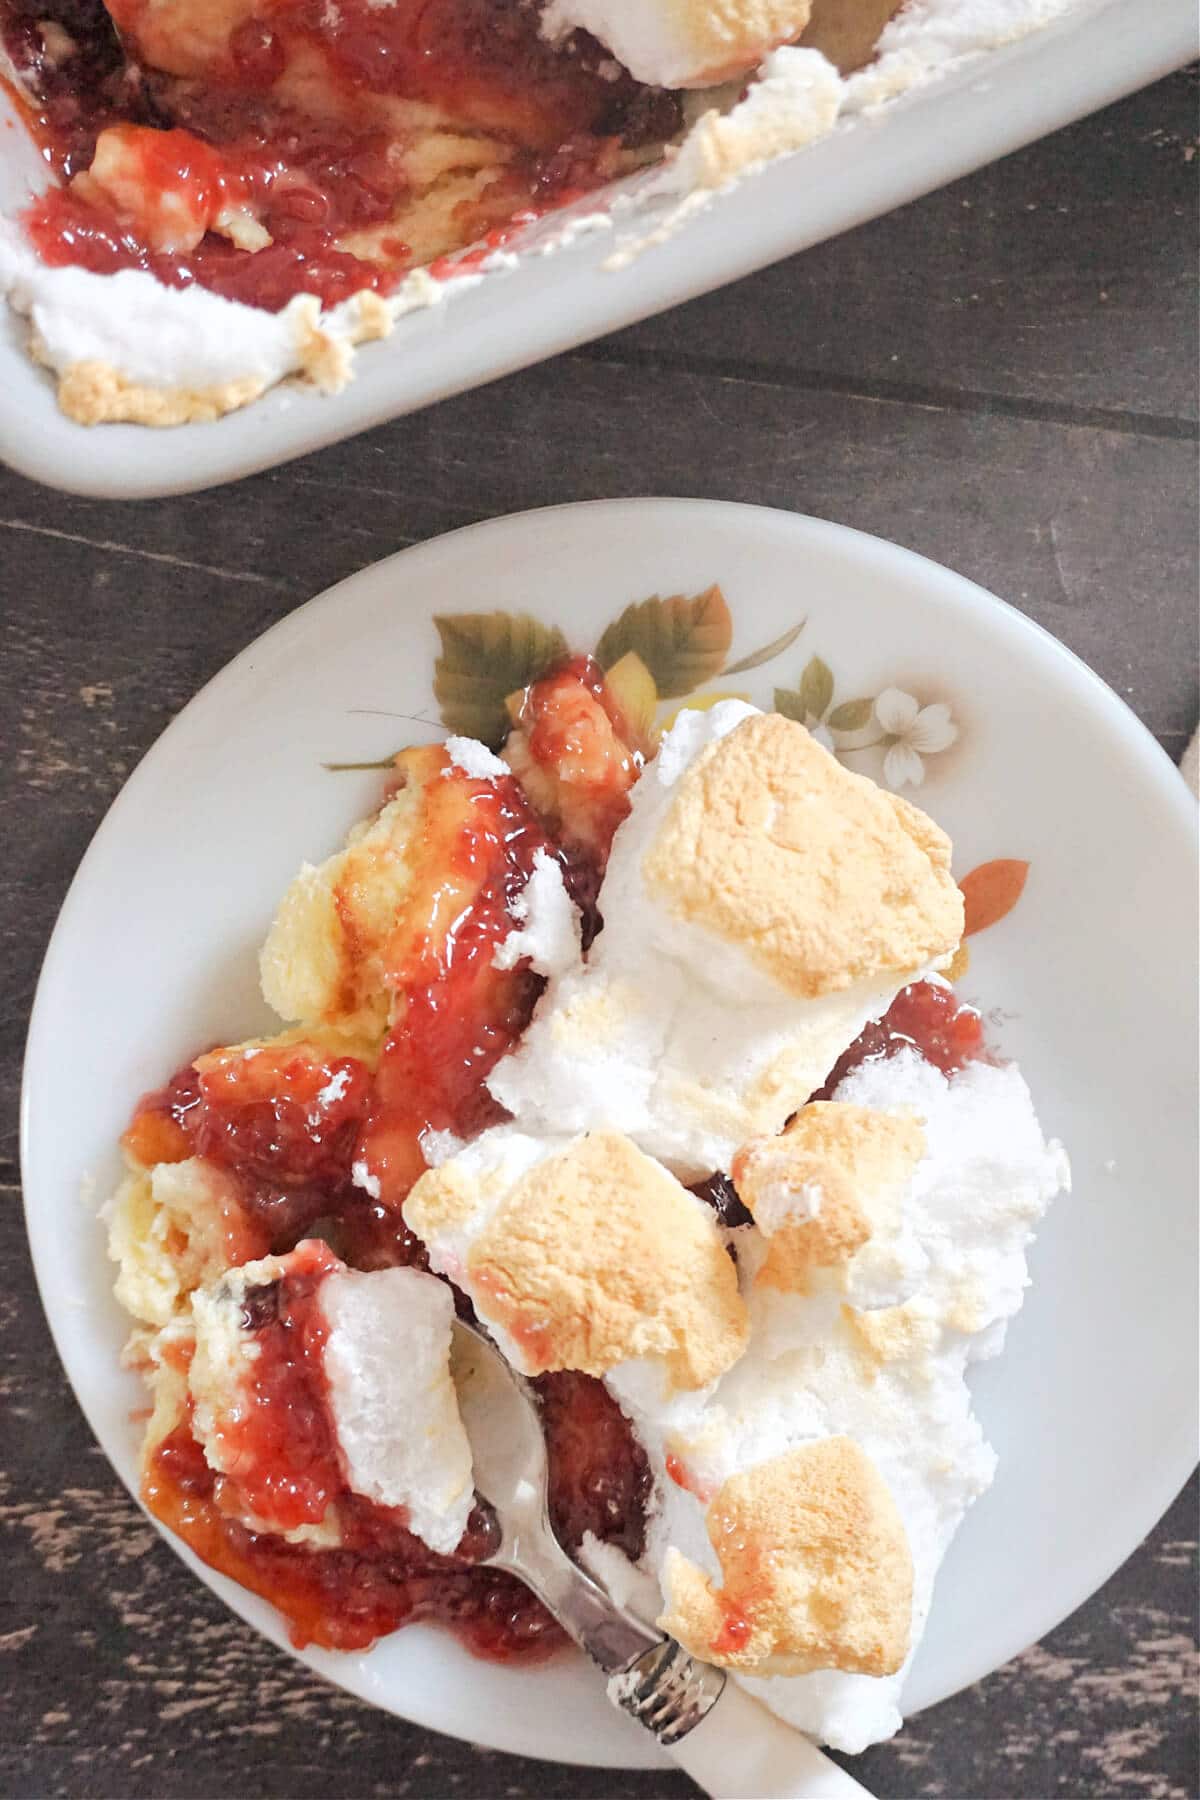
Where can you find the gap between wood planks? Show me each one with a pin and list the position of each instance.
(897, 393)
(158, 556)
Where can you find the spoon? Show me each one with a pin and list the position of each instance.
(729, 1744)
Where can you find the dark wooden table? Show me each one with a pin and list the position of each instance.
(1001, 376)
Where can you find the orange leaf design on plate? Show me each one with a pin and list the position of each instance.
(991, 891)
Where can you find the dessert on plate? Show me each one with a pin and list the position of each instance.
(641, 1055)
(242, 190)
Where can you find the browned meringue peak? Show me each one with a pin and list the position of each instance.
(815, 1564)
(822, 877)
(683, 43)
(819, 1192)
(594, 1256)
(910, 1333)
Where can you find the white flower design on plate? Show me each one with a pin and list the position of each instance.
(671, 649)
(911, 733)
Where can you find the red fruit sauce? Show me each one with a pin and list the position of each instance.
(277, 1442)
(310, 180)
(284, 1122)
(926, 1017)
(735, 1632)
(382, 1576)
(587, 753)
(288, 1123)
(455, 1013)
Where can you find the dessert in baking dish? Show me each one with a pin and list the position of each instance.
(245, 189)
(643, 1056)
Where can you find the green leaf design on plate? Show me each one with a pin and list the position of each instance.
(768, 653)
(682, 641)
(788, 702)
(816, 688)
(387, 762)
(485, 656)
(851, 715)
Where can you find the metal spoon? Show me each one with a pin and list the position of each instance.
(726, 1741)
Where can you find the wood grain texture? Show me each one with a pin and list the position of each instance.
(1061, 279)
(1000, 376)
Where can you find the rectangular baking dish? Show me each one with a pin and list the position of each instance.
(549, 303)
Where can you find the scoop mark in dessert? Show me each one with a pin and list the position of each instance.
(276, 184)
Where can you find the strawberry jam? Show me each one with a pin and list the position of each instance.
(283, 1120)
(303, 115)
(926, 1017)
(380, 1576)
(455, 1013)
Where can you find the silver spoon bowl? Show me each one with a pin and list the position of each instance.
(649, 1675)
(741, 1752)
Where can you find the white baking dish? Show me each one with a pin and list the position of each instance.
(545, 304)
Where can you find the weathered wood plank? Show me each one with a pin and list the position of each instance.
(1064, 276)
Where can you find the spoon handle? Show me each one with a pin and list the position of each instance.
(740, 1751)
(729, 1744)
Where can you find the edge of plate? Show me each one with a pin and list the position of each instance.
(1179, 1459)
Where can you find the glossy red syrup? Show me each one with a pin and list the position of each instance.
(302, 260)
(311, 180)
(382, 1576)
(284, 1122)
(455, 1013)
(926, 1017)
(277, 1442)
(579, 737)
(734, 1635)
(682, 1476)
(379, 1579)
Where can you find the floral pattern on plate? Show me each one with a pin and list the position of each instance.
(670, 649)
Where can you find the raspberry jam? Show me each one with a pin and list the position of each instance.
(276, 1441)
(599, 1476)
(455, 1013)
(283, 1120)
(344, 1599)
(381, 1576)
(322, 184)
(288, 1122)
(80, 93)
(926, 1017)
(303, 259)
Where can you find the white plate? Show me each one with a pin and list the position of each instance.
(1092, 1408)
(1097, 53)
